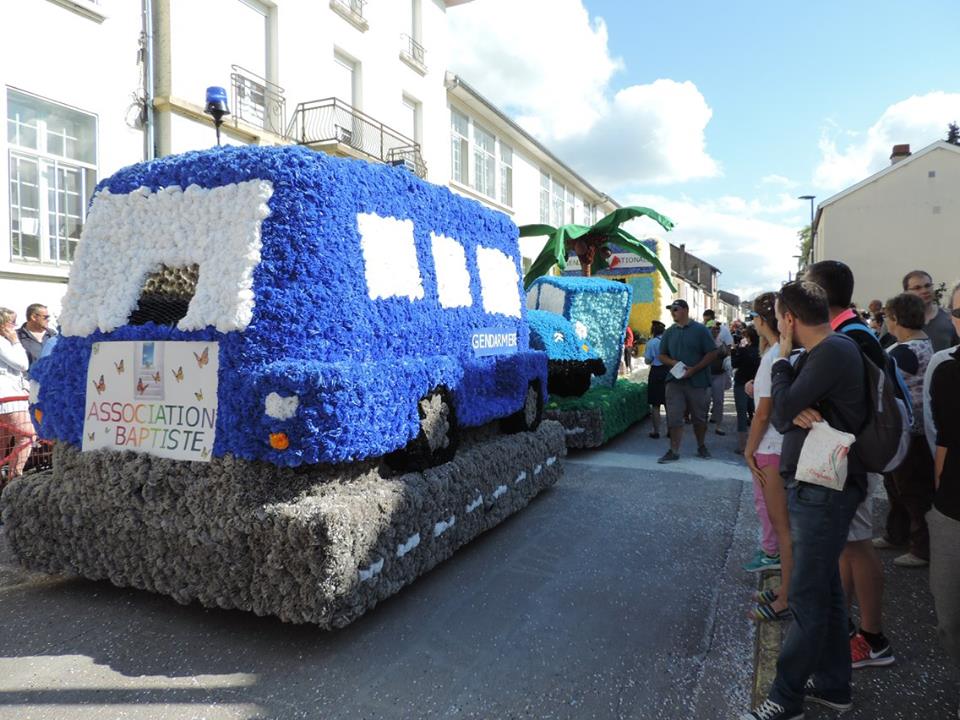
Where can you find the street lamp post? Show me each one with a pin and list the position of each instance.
(811, 199)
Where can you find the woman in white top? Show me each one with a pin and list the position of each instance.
(763, 458)
(16, 430)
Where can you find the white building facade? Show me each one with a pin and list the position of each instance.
(905, 217)
(120, 81)
(495, 161)
(68, 74)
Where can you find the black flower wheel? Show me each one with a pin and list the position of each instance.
(528, 417)
(439, 435)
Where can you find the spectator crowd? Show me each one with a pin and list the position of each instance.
(832, 403)
(20, 347)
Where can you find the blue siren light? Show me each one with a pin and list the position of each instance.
(217, 107)
(217, 102)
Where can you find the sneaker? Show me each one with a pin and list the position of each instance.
(811, 694)
(769, 710)
(668, 457)
(720, 432)
(702, 452)
(910, 560)
(762, 562)
(862, 655)
(881, 543)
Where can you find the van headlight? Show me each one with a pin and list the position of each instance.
(281, 408)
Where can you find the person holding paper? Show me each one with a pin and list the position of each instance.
(827, 383)
(687, 348)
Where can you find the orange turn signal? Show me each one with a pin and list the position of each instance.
(38, 414)
(279, 441)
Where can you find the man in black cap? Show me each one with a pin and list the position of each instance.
(687, 348)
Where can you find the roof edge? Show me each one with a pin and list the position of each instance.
(939, 144)
(454, 81)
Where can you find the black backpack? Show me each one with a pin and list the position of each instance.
(882, 442)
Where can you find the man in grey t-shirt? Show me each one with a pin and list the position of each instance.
(938, 326)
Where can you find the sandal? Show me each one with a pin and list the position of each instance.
(762, 613)
(765, 597)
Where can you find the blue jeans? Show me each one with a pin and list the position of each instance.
(742, 402)
(817, 644)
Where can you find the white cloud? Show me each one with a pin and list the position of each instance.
(544, 61)
(548, 65)
(754, 253)
(849, 157)
(779, 181)
(652, 133)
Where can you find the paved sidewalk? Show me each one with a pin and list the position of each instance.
(921, 685)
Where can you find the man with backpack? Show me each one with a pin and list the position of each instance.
(827, 383)
(860, 567)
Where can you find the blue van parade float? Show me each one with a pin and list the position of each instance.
(256, 343)
(339, 299)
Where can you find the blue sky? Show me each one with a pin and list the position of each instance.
(718, 114)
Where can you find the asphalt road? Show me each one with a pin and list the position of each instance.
(615, 594)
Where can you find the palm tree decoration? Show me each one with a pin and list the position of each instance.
(591, 243)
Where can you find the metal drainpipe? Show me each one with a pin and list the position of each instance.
(149, 126)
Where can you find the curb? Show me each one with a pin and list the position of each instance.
(769, 636)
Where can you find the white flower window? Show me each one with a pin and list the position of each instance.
(552, 299)
(389, 257)
(128, 236)
(499, 282)
(453, 278)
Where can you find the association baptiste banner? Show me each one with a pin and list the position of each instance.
(154, 397)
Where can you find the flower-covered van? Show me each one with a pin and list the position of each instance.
(279, 304)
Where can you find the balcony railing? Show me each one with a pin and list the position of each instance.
(333, 121)
(351, 10)
(258, 101)
(412, 52)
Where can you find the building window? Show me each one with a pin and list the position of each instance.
(544, 198)
(460, 144)
(345, 79)
(53, 170)
(559, 194)
(506, 175)
(479, 159)
(589, 213)
(484, 161)
(411, 125)
(569, 208)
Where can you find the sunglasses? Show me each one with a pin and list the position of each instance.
(956, 313)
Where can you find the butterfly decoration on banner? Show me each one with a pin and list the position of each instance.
(203, 358)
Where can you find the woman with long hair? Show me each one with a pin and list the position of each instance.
(16, 430)
(657, 379)
(763, 458)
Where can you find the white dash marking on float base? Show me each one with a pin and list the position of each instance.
(475, 504)
(501, 489)
(409, 545)
(574, 431)
(551, 460)
(441, 527)
(537, 470)
(372, 571)
(520, 478)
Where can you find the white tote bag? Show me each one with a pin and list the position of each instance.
(823, 459)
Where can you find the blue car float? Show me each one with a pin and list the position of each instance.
(285, 306)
